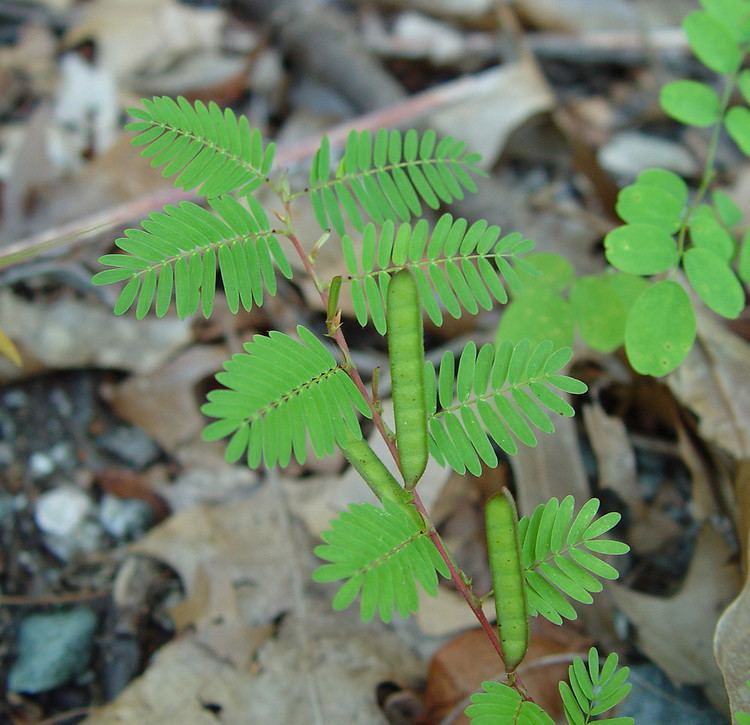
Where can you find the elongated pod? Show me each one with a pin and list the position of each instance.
(506, 567)
(406, 352)
(365, 461)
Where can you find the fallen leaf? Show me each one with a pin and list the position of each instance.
(70, 333)
(676, 633)
(458, 668)
(553, 468)
(500, 100)
(650, 527)
(712, 382)
(164, 402)
(732, 647)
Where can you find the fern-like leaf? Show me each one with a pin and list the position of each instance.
(499, 704)
(205, 146)
(383, 552)
(592, 691)
(179, 250)
(561, 555)
(496, 395)
(455, 264)
(387, 177)
(280, 392)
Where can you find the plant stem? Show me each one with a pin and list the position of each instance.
(457, 576)
(708, 169)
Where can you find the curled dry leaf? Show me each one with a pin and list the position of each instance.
(732, 648)
(677, 632)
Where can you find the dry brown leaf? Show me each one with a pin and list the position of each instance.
(75, 334)
(553, 468)
(676, 633)
(241, 542)
(458, 668)
(712, 382)
(576, 16)
(164, 402)
(650, 528)
(732, 647)
(500, 100)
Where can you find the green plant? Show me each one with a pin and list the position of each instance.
(666, 230)
(285, 393)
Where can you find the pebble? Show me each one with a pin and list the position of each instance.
(84, 539)
(630, 152)
(131, 445)
(6, 454)
(7, 505)
(60, 511)
(52, 649)
(124, 518)
(40, 465)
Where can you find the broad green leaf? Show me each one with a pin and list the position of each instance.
(641, 203)
(743, 82)
(538, 315)
(600, 314)
(641, 249)
(737, 122)
(706, 232)
(691, 103)
(626, 286)
(714, 282)
(555, 272)
(733, 14)
(726, 208)
(660, 329)
(743, 267)
(667, 181)
(712, 42)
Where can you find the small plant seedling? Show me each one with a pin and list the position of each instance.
(286, 395)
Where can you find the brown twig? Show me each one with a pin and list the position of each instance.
(22, 600)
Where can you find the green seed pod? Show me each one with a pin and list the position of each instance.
(406, 352)
(506, 568)
(364, 460)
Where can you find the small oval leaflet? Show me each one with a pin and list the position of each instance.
(691, 103)
(660, 329)
(714, 282)
(643, 203)
(737, 122)
(712, 42)
(539, 315)
(599, 312)
(641, 249)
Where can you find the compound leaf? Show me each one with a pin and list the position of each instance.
(177, 251)
(382, 553)
(498, 406)
(590, 691)
(279, 391)
(499, 704)
(387, 180)
(456, 264)
(205, 147)
(558, 559)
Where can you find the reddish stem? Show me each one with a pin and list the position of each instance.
(456, 578)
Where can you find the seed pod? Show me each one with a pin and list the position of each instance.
(506, 568)
(365, 461)
(406, 352)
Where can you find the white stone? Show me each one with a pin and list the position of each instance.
(61, 510)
